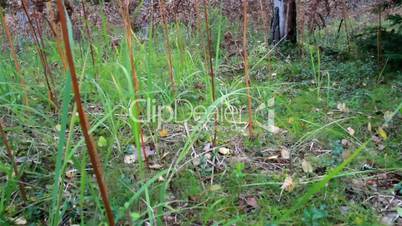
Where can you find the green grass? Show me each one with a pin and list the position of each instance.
(310, 123)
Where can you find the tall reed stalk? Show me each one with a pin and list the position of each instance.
(42, 56)
(88, 31)
(10, 154)
(15, 59)
(379, 58)
(211, 67)
(91, 147)
(162, 11)
(246, 68)
(198, 16)
(127, 25)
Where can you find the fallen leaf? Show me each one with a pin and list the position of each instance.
(388, 116)
(376, 139)
(71, 173)
(207, 147)
(252, 201)
(196, 161)
(345, 142)
(20, 221)
(342, 107)
(307, 167)
(155, 166)
(261, 107)
(102, 142)
(346, 155)
(273, 157)
(130, 159)
(225, 151)
(351, 131)
(369, 127)
(58, 127)
(215, 187)
(163, 133)
(285, 153)
(381, 132)
(273, 129)
(288, 184)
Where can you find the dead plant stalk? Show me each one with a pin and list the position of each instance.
(246, 67)
(91, 147)
(42, 56)
(211, 68)
(162, 10)
(15, 58)
(134, 75)
(10, 154)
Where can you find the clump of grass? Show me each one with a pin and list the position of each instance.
(91, 147)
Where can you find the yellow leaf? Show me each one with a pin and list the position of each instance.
(381, 132)
(163, 133)
(288, 184)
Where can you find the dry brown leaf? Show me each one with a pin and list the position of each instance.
(252, 201)
(163, 133)
(288, 184)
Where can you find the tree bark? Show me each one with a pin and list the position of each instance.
(283, 23)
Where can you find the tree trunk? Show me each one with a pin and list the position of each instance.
(283, 23)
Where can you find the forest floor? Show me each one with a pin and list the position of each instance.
(326, 148)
